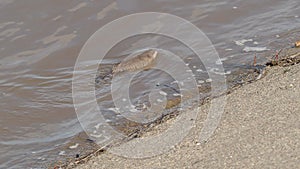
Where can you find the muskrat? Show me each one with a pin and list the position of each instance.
(141, 61)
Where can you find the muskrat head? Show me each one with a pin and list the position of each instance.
(151, 54)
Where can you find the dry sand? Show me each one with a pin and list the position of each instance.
(260, 128)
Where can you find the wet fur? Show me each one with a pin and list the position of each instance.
(142, 61)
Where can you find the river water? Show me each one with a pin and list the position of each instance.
(40, 41)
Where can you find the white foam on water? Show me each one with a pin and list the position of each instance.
(228, 72)
(97, 126)
(255, 49)
(242, 42)
(163, 93)
(62, 153)
(108, 120)
(219, 62)
(96, 136)
(208, 80)
(177, 94)
(41, 158)
(114, 109)
(159, 100)
(174, 82)
(201, 81)
(74, 146)
(200, 70)
(223, 73)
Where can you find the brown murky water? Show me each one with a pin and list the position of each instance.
(40, 41)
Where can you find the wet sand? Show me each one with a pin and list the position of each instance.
(259, 129)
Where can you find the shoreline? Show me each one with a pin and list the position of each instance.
(277, 77)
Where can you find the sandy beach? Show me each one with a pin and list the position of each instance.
(259, 129)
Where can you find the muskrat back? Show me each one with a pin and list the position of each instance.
(138, 62)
